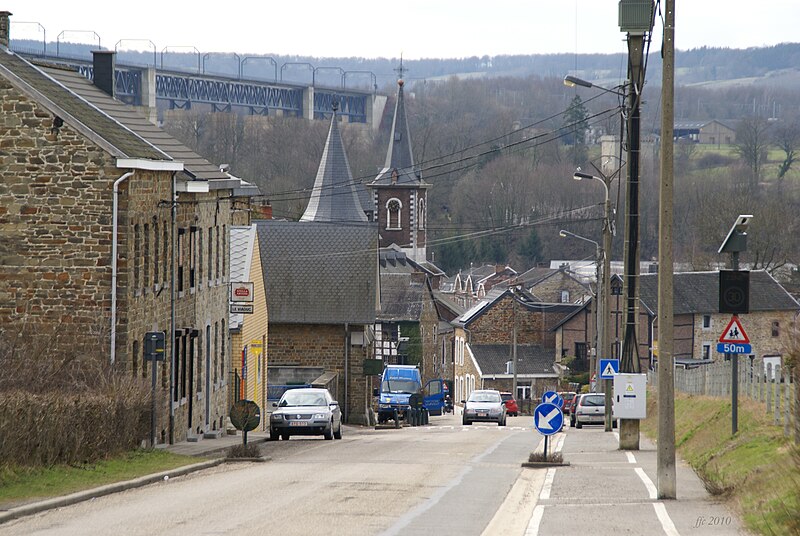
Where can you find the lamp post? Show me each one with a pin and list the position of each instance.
(600, 304)
(604, 290)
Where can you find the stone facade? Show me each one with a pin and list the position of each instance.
(56, 200)
(560, 287)
(325, 345)
(467, 375)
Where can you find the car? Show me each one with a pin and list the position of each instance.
(512, 408)
(484, 405)
(306, 411)
(570, 398)
(590, 409)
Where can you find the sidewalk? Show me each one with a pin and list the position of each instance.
(605, 490)
(211, 448)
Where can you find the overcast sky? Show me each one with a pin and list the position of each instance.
(383, 28)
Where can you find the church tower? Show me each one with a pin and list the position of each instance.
(334, 197)
(399, 193)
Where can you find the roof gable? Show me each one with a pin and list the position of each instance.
(532, 358)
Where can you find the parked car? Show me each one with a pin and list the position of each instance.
(307, 411)
(511, 405)
(590, 409)
(484, 405)
(570, 398)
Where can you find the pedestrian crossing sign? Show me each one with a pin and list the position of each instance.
(734, 332)
(608, 368)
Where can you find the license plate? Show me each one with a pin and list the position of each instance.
(298, 423)
(481, 414)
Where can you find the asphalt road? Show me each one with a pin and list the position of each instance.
(446, 478)
(443, 479)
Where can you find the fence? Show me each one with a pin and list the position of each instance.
(766, 383)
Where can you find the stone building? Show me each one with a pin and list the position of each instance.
(112, 229)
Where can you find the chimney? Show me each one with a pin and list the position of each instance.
(104, 63)
(262, 211)
(5, 38)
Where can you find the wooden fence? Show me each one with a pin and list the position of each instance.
(768, 384)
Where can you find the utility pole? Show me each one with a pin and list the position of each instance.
(605, 333)
(665, 470)
(638, 24)
(514, 346)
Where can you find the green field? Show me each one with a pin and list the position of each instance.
(757, 471)
(19, 485)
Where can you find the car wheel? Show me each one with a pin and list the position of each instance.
(285, 437)
(273, 435)
(338, 433)
(578, 425)
(328, 433)
(465, 422)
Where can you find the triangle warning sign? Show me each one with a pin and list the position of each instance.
(609, 370)
(734, 332)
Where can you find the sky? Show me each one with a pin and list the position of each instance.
(380, 28)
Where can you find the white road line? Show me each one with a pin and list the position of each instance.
(666, 522)
(651, 488)
(631, 458)
(536, 519)
(548, 484)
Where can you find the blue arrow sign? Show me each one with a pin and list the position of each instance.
(548, 418)
(608, 367)
(551, 397)
(734, 348)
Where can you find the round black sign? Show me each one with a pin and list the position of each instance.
(415, 400)
(245, 415)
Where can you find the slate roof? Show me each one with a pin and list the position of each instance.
(497, 293)
(402, 297)
(698, 292)
(334, 197)
(532, 359)
(445, 300)
(195, 165)
(241, 257)
(319, 273)
(399, 155)
(76, 112)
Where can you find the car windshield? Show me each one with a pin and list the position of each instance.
(303, 398)
(399, 386)
(593, 400)
(477, 396)
(505, 396)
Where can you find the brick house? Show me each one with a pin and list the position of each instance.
(536, 373)
(697, 322)
(249, 358)
(556, 285)
(85, 177)
(492, 321)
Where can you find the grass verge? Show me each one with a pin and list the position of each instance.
(19, 485)
(756, 471)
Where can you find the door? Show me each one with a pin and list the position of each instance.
(433, 399)
(208, 373)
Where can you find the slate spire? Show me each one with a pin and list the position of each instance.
(334, 197)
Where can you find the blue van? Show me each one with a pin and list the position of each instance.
(398, 383)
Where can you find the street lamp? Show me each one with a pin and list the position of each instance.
(600, 309)
(604, 290)
(572, 81)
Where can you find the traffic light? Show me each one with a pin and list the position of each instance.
(734, 291)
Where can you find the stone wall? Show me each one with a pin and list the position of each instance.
(551, 288)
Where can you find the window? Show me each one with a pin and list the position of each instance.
(706, 321)
(181, 239)
(223, 336)
(421, 214)
(165, 256)
(200, 256)
(216, 351)
(706, 351)
(135, 359)
(192, 255)
(137, 252)
(156, 253)
(224, 251)
(393, 220)
(776, 328)
(211, 254)
(146, 281)
(564, 296)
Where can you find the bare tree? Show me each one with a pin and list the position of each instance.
(752, 144)
(786, 136)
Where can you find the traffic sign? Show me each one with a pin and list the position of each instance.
(548, 418)
(733, 348)
(608, 367)
(551, 397)
(734, 332)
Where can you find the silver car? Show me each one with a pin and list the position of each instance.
(305, 412)
(590, 409)
(485, 405)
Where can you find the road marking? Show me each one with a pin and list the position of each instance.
(631, 458)
(651, 489)
(548, 484)
(536, 519)
(666, 522)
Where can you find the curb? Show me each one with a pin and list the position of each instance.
(538, 465)
(85, 495)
